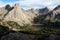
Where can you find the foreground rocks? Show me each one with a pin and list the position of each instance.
(22, 36)
(6, 34)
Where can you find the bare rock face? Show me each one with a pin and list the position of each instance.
(55, 14)
(22, 17)
(46, 15)
(42, 14)
(18, 15)
(2, 12)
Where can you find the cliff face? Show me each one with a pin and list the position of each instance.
(17, 15)
(46, 15)
(56, 14)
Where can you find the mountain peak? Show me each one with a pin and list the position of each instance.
(17, 5)
(57, 7)
(8, 7)
(43, 10)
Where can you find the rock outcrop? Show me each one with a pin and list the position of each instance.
(46, 15)
(22, 36)
(56, 14)
(17, 15)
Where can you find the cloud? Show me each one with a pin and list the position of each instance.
(26, 4)
(40, 3)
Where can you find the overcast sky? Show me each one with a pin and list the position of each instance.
(27, 4)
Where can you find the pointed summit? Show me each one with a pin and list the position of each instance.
(7, 7)
(17, 5)
(57, 7)
(17, 15)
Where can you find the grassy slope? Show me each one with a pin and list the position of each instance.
(34, 29)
